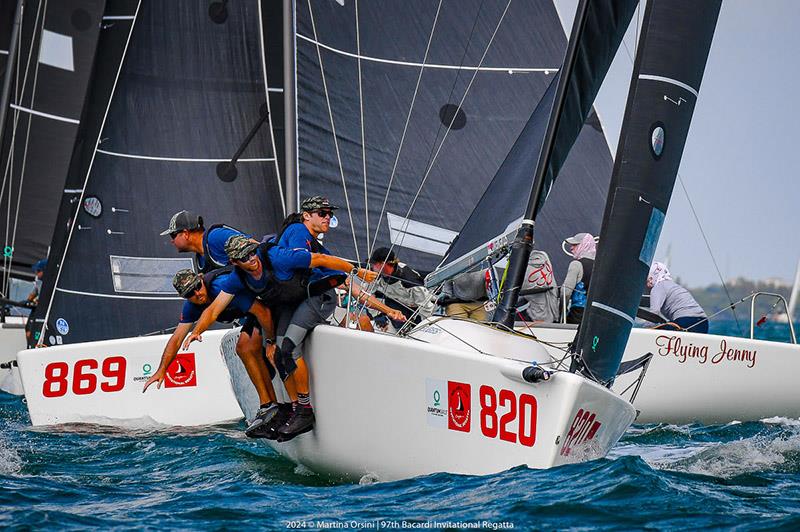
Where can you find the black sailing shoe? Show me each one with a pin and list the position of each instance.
(269, 430)
(263, 416)
(302, 421)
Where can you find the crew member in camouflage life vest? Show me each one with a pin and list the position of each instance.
(199, 290)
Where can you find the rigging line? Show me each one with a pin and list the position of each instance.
(708, 247)
(408, 119)
(27, 143)
(333, 131)
(18, 96)
(269, 109)
(88, 172)
(447, 131)
(363, 141)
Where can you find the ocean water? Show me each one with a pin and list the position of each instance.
(743, 476)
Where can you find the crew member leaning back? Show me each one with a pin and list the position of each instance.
(188, 235)
(199, 290)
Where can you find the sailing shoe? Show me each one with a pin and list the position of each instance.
(263, 416)
(302, 421)
(269, 430)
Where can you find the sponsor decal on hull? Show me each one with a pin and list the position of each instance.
(436, 395)
(459, 406)
(703, 353)
(181, 373)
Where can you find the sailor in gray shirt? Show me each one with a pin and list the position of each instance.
(674, 302)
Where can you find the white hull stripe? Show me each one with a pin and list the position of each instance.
(670, 81)
(426, 65)
(119, 17)
(179, 159)
(115, 296)
(45, 115)
(612, 310)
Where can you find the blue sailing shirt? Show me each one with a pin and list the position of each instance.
(214, 244)
(297, 236)
(241, 303)
(285, 262)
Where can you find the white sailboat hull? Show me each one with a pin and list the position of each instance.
(392, 408)
(101, 382)
(12, 340)
(705, 377)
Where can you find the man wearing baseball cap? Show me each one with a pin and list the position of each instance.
(401, 286)
(187, 233)
(199, 290)
(283, 278)
(575, 287)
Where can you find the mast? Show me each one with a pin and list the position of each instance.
(672, 53)
(12, 57)
(290, 185)
(597, 31)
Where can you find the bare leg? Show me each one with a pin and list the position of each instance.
(300, 376)
(248, 347)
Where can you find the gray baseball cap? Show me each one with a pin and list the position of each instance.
(181, 221)
(575, 240)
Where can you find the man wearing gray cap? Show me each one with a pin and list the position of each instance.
(187, 233)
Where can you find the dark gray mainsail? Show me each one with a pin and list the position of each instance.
(185, 96)
(671, 58)
(378, 85)
(53, 63)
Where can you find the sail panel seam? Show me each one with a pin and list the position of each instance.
(180, 159)
(671, 81)
(612, 310)
(45, 115)
(546, 70)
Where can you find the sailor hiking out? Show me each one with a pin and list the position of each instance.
(188, 234)
(199, 290)
(295, 275)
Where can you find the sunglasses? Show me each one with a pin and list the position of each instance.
(248, 256)
(324, 214)
(174, 234)
(193, 292)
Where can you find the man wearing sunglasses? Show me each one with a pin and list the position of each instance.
(284, 279)
(199, 291)
(188, 235)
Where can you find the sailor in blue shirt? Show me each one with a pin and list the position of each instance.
(187, 233)
(298, 284)
(199, 291)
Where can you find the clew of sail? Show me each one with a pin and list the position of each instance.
(664, 89)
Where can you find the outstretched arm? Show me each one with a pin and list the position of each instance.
(335, 263)
(170, 350)
(373, 303)
(209, 316)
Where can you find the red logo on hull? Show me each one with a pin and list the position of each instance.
(181, 373)
(459, 406)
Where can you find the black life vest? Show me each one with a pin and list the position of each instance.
(588, 266)
(209, 263)
(277, 292)
(230, 313)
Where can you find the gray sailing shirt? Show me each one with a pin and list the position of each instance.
(673, 301)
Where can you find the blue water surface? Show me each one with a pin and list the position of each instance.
(743, 476)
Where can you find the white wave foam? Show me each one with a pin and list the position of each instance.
(369, 478)
(303, 471)
(10, 461)
(785, 421)
(748, 455)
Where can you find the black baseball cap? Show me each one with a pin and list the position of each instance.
(181, 221)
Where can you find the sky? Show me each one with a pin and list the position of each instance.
(740, 165)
